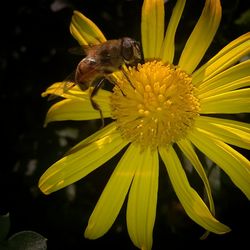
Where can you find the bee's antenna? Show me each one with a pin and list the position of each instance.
(125, 74)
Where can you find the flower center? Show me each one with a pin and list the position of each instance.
(154, 105)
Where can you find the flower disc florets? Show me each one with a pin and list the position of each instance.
(154, 104)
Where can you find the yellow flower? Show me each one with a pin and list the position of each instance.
(154, 107)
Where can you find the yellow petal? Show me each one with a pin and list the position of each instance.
(227, 76)
(142, 198)
(237, 134)
(228, 56)
(190, 200)
(168, 47)
(98, 135)
(76, 110)
(84, 30)
(113, 196)
(152, 28)
(232, 85)
(79, 109)
(188, 150)
(63, 89)
(201, 37)
(235, 165)
(79, 163)
(231, 102)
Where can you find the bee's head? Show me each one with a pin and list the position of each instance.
(130, 51)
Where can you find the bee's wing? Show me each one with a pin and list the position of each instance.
(77, 51)
(82, 50)
(62, 88)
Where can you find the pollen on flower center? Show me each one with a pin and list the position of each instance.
(154, 105)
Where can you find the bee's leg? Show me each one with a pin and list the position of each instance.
(94, 104)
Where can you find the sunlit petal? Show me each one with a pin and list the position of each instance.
(152, 28)
(79, 163)
(190, 200)
(98, 135)
(231, 102)
(143, 198)
(235, 165)
(61, 89)
(188, 150)
(84, 30)
(168, 46)
(232, 85)
(113, 195)
(225, 78)
(201, 37)
(79, 109)
(229, 55)
(235, 133)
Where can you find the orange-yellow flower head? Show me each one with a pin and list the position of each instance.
(154, 104)
(157, 107)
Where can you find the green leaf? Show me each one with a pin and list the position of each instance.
(27, 240)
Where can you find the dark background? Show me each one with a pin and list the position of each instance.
(34, 42)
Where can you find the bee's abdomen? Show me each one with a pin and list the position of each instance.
(85, 73)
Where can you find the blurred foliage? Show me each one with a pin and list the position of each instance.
(244, 19)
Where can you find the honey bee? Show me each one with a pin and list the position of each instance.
(102, 60)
